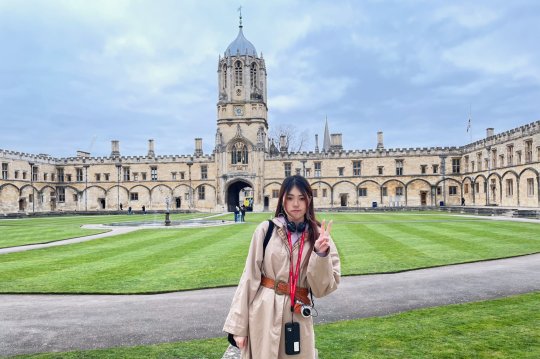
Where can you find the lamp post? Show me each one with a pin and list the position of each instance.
(32, 185)
(118, 166)
(190, 163)
(86, 188)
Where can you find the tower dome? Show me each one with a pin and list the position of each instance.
(241, 45)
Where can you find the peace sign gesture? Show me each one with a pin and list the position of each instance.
(322, 243)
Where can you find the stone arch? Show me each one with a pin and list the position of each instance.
(371, 193)
(232, 192)
(448, 195)
(9, 198)
(529, 187)
(494, 190)
(142, 198)
(392, 197)
(322, 188)
(159, 195)
(116, 196)
(344, 194)
(510, 191)
(467, 185)
(96, 198)
(418, 193)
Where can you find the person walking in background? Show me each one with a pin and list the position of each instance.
(243, 213)
(270, 315)
(236, 214)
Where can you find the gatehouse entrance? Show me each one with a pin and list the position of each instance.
(239, 193)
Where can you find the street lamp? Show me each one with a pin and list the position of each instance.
(118, 166)
(32, 185)
(86, 188)
(190, 163)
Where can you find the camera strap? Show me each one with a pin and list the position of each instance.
(294, 275)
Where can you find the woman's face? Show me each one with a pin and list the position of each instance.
(295, 204)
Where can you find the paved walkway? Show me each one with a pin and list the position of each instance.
(46, 323)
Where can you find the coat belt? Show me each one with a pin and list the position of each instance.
(282, 288)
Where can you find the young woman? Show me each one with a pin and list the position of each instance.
(261, 310)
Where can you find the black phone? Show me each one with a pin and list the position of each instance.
(292, 338)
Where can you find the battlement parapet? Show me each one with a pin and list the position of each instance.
(506, 136)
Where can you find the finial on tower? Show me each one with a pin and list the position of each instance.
(240, 11)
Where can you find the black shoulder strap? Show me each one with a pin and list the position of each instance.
(268, 235)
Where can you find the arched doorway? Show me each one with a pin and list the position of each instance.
(238, 193)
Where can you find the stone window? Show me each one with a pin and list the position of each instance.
(357, 168)
(315, 193)
(501, 160)
(253, 75)
(68, 177)
(362, 192)
(16, 174)
(518, 153)
(456, 165)
(380, 170)
(530, 187)
(153, 173)
(275, 193)
(238, 73)
(399, 167)
(324, 193)
(60, 172)
(479, 160)
(4, 170)
(494, 158)
(466, 188)
(204, 172)
(134, 196)
(287, 166)
(239, 153)
(317, 169)
(298, 171)
(510, 155)
(439, 190)
(201, 191)
(452, 190)
(486, 163)
(98, 177)
(528, 151)
(143, 176)
(53, 176)
(127, 173)
(340, 171)
(35, 173)
(135, 176)
(509, 187)
(173, 175)
(61, 194)
(182, 175)
(384, 191)
(24, 175)
(80, 176)
(45, 176)
(423, 169)
(399, 191)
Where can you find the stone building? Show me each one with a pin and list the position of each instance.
(501, 169)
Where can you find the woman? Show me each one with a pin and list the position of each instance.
(261, 308)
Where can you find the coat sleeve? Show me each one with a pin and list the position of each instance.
(324, 273)
(237, 320)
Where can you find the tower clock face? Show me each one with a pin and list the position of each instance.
(238, 110)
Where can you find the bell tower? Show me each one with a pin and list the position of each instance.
(242, 127)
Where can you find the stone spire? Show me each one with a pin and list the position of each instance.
(326, 141)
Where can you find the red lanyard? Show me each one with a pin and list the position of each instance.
(293, 277)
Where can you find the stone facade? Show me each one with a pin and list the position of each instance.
(501, 169)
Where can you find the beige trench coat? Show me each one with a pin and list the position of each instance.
(259, 312)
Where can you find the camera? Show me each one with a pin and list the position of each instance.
(305, 310)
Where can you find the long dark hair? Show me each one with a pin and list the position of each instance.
(303, 186)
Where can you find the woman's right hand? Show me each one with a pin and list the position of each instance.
(240, 341)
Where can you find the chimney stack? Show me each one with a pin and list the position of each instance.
(115, 148)
(283, 145)
(151, 152)
(83, 154)
(198, 147)
(380, 143)
(490, 132)
(336, 145)
(316, 143)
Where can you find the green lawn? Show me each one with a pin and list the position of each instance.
(502, 328)
(161, 260)
(18, 232)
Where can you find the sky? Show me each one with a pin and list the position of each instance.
(76, 74)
